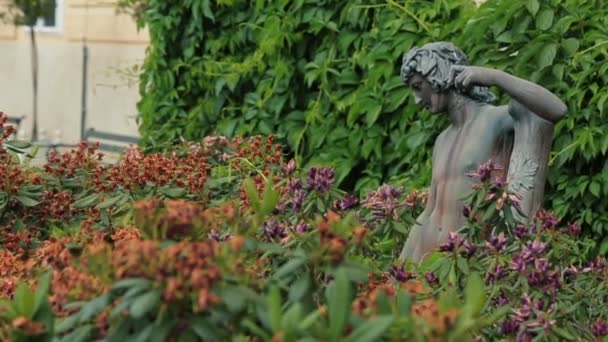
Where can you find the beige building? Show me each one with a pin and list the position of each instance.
(114, 48)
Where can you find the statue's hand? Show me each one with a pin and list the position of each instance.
(469, 76)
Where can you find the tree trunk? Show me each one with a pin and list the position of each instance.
(34, 52)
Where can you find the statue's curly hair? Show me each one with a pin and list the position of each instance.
(434, 61)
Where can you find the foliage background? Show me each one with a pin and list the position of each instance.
(323, 76)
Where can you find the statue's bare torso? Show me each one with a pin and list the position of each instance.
(458, 151)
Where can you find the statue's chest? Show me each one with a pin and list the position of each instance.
(461, 151)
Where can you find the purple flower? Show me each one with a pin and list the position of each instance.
(518, 263)
(384, 202)
(543, 321)
(548, 220)
(274, 229)
(520, 231)
(498, 273)
(469, 249)
(484, 171)
(497, 243)
(387, 191)
(522, 314)
(574, 229)
(298, 200)
(289, 168)
(399, 273)
(454, 241)
(533, 249)
(320, 179)
(294, 184)
(598, 265)
(523, 337)
(215, 235)
(499, 182)
(431, 278)
(501, 300)
(509, 326)
(599, 328)
(347, 202)
(302, 227)
(541, 265)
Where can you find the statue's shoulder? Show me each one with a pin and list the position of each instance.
(498, 117)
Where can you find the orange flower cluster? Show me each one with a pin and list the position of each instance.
(136, 170)
(29, 327)
(83, 158)
(269, 154)
(53, 205)
(12, 178)
(435, 321)
(332, 243)
(12, 269)
(5, 132)
(365, 303)
(182, 269)
(417, 197)
(176, 219)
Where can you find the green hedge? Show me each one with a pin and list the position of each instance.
(323, 76)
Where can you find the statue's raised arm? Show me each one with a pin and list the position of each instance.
(517, 136)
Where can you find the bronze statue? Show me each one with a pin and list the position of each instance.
(517, 135)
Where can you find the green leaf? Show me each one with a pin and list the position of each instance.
(544, 20)
(570, 45)
(496, 315)
(93, 307)
(203, 329)
(309, 320)
(532, 6)
(18, 144)
(274, 308)
(144, 304)
(206, 5)
(372, 114)
(81, 334)
(463, 265)
(563, 333)
(594, 188)
(42, 290)
(339, 304)
(24, 301)
(86, 201)
(299, 288)
(252, 194)
(131, 282)
(291, 318)
(371, 330)
(289, 267)
(474, 293)
(233, 297)
(547, 55)
(27, 201)
(558, 71)
(174, 192)
(110, 201)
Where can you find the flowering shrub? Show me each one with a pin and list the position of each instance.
(225, 239)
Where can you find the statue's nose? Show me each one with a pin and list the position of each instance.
(417, 100)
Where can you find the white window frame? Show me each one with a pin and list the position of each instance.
(58, 28)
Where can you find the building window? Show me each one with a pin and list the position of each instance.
(53, 22)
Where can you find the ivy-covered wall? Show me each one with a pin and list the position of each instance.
(323, 76)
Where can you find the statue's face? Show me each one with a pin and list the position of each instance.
(425, 95)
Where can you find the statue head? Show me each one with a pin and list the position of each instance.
(428, 71)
